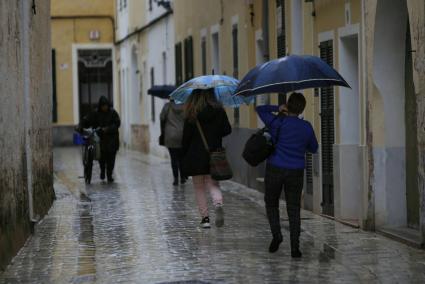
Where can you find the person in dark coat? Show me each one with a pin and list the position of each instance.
(203, 106)
(108, 120)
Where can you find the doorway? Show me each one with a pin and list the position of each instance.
(397, 195)
(348, 193)
(94, 78)
(412, 163)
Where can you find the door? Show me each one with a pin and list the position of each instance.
(94, 78)
(412, 189)
(327, 134)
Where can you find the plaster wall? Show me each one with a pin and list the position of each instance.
(26, 188)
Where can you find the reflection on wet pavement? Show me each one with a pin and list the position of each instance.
(143, 230)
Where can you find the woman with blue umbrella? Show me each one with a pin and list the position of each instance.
(205, 126)
(292, 136)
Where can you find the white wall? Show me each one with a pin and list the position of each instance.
(123, 20)
(160, 42)
(296, 27)
(349, 116)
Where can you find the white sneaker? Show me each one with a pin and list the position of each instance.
(219, 216)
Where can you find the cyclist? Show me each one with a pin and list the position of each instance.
(108, 121)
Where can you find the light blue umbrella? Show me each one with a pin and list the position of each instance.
(224, 88)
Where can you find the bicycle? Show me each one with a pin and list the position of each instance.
(90, 150)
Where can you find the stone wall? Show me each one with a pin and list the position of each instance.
(26, 187)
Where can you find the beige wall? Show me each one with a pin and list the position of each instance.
(82, 7)
(71, 24)
(191, 19)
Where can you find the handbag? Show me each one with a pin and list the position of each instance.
(260, 146)
(219, 166)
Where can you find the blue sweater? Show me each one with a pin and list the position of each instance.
(296, 137)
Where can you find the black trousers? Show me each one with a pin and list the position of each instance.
(107, 162)
(176, 155)
(292, 183)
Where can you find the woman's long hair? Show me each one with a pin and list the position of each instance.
(198, 100)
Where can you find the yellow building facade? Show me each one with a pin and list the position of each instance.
(82, 33)
(367, 172)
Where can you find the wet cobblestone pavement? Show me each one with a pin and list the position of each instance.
(143, 230)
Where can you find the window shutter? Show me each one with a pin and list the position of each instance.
(179, 64)
(327, 133)
(153, 97)
(188, 58)
(309, 173)
(204, 55)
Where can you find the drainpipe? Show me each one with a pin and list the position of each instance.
(26, 14)
(368, 214)
(265, 24)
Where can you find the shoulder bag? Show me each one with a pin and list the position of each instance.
(219, 166)
(260, 146)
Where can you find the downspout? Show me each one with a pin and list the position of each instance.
(26, 14)
(368, 161)
(266, 44)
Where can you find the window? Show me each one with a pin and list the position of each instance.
(235, 49)
(54, 98)
(124, 4)
(150, 5)
(281, 39)
(164, 68)
(152, 97)
(215, 53)
(179, 64)
(204, 55)
(188, 58)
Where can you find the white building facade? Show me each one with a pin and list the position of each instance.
(145, 56)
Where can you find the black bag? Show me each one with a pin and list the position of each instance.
(259, 146)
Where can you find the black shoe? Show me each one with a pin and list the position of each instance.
(296, 253)
(176, 182)
(183, 180)
(205, 223)
(110, 179)
(102, 175)
(274, 245)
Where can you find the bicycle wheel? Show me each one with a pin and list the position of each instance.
(88, 166)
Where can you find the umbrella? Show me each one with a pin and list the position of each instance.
(224, 88)
(162, 91)
(288, 74)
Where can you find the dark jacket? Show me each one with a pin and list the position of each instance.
(109, 121)
(215, 125)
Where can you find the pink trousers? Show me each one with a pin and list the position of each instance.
(202, 184)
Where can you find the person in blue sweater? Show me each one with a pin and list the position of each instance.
(285, 167)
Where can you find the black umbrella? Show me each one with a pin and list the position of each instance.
(162, 91)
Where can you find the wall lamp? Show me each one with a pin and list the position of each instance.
(164, 3)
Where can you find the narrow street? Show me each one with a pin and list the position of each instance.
(143, 230)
